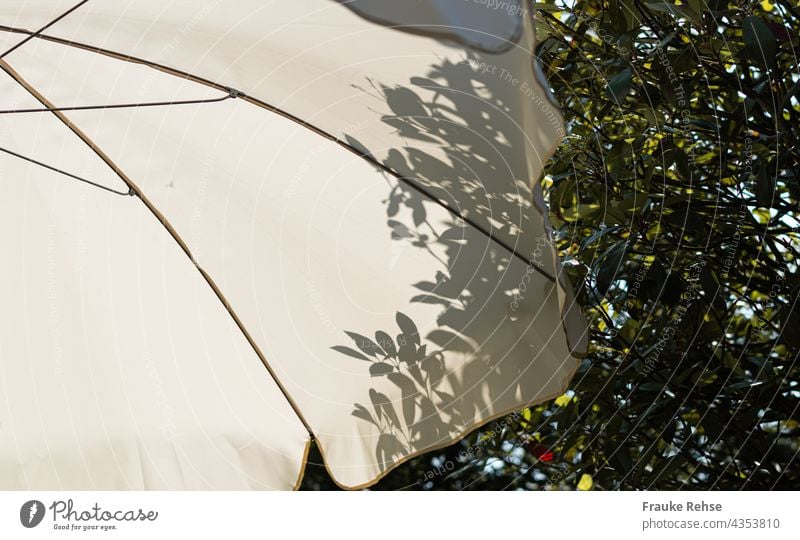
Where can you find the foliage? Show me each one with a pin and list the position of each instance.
(675, 199)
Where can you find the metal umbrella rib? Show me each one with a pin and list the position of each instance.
(161, 218)
(242, 187)
(255, 101)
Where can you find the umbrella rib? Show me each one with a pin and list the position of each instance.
(170, 229)
(42, 29)
(65, 173)
(289, 116)
(231, 94)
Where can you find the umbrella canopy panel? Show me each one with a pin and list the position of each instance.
(469, 126)
(365, 217)
(31, 14)
(119, 367)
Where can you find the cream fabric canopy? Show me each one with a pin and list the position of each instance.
(321, 219)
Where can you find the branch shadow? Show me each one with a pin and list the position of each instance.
(458, 138)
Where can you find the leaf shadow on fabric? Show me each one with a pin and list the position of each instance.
(459, 136)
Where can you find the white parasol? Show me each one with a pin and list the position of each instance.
(232, 228)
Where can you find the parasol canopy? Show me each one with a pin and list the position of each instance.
(232, 229)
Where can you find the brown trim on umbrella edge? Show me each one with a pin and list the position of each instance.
(450, 441)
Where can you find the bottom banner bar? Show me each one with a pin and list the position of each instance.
(397, 515)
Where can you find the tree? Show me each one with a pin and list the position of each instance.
(675, 198)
